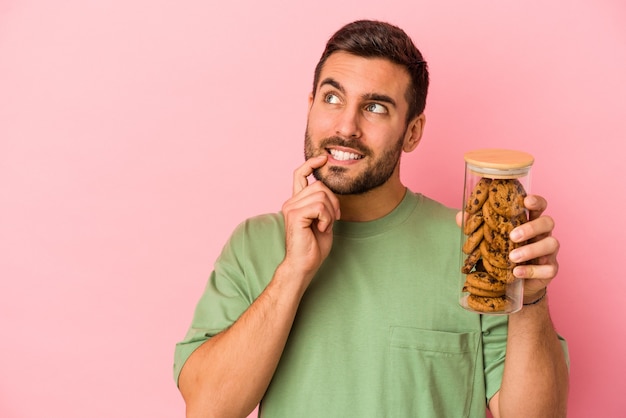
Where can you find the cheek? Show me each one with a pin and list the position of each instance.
(320, 124)
(384, 137)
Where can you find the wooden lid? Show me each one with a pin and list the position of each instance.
(494, 160)
(504, 159)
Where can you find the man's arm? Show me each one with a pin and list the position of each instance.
(536, 379)
(228, 374)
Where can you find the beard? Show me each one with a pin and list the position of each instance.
(336, 178)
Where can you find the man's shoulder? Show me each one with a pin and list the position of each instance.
(434, 207)
(263, 224)
(256, 236)
(266, 220)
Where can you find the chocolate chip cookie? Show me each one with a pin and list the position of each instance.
(473, 222)
(497, 241)
(478, 196)
(502, 274)
(471, 261)
(482, 284)
(506, 197)
(495, 257)
(499, 223)
(473, 241)
(486, 304)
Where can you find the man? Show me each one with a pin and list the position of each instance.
(345, 303)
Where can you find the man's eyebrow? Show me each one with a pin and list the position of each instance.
(380, 98)
(332, 82)
(376, 97)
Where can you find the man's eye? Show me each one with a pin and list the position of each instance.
(376, 108)
(331, 98)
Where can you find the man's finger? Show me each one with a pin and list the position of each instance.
(301, 174)
(536, 205)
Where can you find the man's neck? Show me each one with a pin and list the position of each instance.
(373, 204)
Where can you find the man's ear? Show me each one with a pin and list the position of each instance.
(311, 97)
(414, 133)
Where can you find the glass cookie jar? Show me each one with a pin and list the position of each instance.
(496, 182)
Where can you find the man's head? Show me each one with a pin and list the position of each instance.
(374, 39)
(366, 107)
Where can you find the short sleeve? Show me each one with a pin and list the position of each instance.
(495, 330)
(224, 299)
(241, 272)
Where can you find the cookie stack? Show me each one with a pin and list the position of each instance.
(494, 207)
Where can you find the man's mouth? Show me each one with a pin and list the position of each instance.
(343, 155)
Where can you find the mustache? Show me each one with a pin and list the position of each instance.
(347, 143)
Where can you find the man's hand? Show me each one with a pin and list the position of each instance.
(536, 379)
(229, 374)
(309, 216)
(541, 250)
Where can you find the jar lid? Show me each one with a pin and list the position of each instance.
(499, 161)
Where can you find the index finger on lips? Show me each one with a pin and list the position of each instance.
(301, 174)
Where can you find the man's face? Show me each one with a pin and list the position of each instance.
(358, 119)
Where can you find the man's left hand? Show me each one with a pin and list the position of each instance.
(538, 256)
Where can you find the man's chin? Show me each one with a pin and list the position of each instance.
(332, 178)
(340, 186)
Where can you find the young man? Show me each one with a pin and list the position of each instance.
(345, 303)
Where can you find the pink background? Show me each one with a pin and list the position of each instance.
(134, 135)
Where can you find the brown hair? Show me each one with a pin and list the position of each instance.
(374, 39)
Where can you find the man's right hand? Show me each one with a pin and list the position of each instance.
(309, 216)
(224, 377)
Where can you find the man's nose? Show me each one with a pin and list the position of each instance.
(349, 124)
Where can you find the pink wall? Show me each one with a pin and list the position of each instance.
(134, 135)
